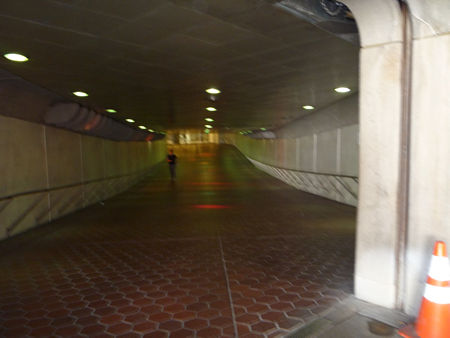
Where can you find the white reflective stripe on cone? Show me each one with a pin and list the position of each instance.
(437, 294)
(439, 268)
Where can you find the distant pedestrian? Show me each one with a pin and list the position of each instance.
(172, 160)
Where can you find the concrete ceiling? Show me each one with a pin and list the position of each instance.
(152, 60)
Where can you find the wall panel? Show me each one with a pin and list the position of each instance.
(22, 154)
(81, 170)
(327, 152)
(63, 157)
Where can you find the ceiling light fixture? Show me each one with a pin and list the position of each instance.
(111, 110)
(208, 119)
(151, 130)
(263, 129)
(130, 120)
(308, 107)
(15, 57)
(342, 90)
(207, 131)
(142, 127)
(213, 91)
(208, 126)
(211, 109)
(80, 94)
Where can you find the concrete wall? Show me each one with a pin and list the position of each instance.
(429, 200)
(49, 172)
(317, 153)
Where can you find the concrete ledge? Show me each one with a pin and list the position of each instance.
(354, 318)
(375, 292)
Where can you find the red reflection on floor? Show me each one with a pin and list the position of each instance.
(211, 206)
(210, 183)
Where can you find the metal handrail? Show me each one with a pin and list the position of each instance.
(37, 191)
(305, 171)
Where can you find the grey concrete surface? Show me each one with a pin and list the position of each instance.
(354, 318)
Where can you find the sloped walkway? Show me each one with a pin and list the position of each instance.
(225, 251)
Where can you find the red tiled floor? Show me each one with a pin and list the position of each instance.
(157, 334)
(186, 315)
(46, 331)
(150, 263)
(145, 327)
(136, 318)
(182, 333)
(171, 325)
(93, 329)
(248, 319)
(196, 324)
(209, 332)
(119, 328)
(67, 331)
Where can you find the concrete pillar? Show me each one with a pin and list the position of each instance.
(378, 258)
(380, 27)
(429, 208)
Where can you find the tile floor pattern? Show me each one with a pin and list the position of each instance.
(226, 251)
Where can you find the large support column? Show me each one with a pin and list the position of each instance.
(429, 213)
(377, 254)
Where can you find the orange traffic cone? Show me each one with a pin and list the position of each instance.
(434, 315)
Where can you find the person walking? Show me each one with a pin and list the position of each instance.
(172, 161)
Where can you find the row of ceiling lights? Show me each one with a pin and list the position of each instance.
(112, 111)
(213, 91)
(340, 90)
(22, 58)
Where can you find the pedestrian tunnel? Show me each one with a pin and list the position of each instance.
(313, 154)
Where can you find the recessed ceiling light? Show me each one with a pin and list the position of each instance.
(142, 127)
(208, 119)
(130, 120)
(207, 131)
(213, 91)
(151, 130)
(208, 126)
(308, 107)
(80, 94)
(342, 90)
(211, 109)
(16, 57)
(111, 110)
